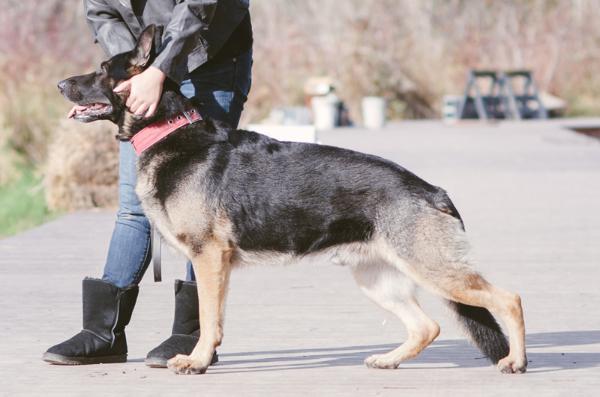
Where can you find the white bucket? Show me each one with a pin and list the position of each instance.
(324, 111)
(450, 108)
(373, 112)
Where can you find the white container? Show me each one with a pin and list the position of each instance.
(450, 107)
(324, 111)
(373, 112)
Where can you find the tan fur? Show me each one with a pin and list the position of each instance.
(507, 306)
(128, 122)
(186, 233)
(133, 70)
(212, 268)
(350, 255)
(470, 288)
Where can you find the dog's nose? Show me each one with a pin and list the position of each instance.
(62, 85)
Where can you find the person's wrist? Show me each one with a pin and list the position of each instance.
(156, 73)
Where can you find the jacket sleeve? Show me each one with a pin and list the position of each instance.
(196, 26)
(108, 27)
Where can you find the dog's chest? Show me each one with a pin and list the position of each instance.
(186, 217)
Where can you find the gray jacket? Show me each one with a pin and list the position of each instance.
(195, 31)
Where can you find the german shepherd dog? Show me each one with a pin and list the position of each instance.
(226, 198)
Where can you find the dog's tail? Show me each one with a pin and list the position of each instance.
(483, 330)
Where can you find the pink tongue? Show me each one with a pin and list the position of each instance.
(74, 110)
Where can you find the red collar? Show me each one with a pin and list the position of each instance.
(154, 132)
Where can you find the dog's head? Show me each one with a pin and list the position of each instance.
(93, 93)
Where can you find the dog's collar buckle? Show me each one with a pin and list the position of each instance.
(155, 132)
(188, 114)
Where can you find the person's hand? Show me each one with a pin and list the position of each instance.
(145, 90)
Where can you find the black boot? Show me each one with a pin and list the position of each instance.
(186, 327)
(106, 311)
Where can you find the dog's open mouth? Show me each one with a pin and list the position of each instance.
(89, 110)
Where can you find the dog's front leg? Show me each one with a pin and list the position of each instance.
(212, 268)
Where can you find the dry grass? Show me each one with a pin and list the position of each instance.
(82, 166)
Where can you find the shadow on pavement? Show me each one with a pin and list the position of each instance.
(441, 354)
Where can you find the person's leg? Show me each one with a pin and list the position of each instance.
(106, 310)
(129, 250)
(109, 303)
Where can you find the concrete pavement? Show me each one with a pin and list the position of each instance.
(530, 197)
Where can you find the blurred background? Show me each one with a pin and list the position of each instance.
(413, 55)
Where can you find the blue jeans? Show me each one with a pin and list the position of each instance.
(219, 91)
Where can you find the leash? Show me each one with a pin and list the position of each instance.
(144, 140)
(156, 258)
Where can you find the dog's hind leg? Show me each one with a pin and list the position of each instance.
(393, 291)
(472, 291)
(212, 266)
(436, 258)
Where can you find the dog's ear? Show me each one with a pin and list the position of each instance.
(145, 47)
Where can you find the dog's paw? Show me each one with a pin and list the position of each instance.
(382, 361)
(510, 365)
(182, 364)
